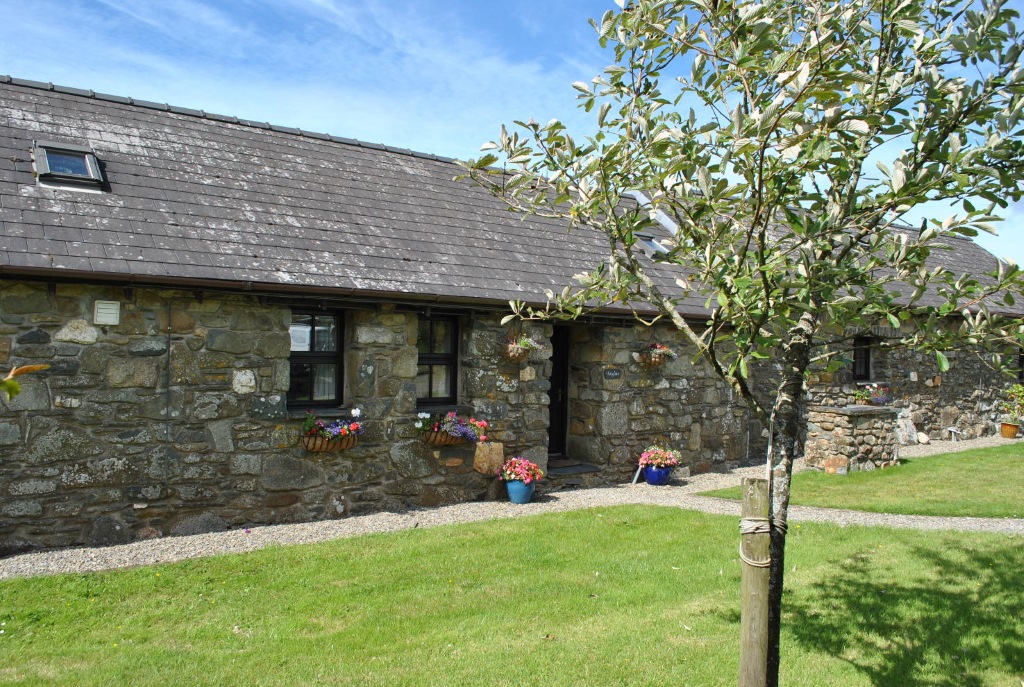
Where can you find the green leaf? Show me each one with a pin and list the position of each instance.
(861, 127)
(942, 361)
(9, 388)
(485, 161)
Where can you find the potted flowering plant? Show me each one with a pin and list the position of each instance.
(518, 348)
(450, 429)
(656, 354)
(334, 435)
(1012, 408)
(657, 463)
(520, 477)
(861, 397)
(878, 394)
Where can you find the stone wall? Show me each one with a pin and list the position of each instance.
(965, 397)
(851, 438)
(512, 396)
(619, 406)
(175, 420)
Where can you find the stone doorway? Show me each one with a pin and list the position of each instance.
(558, 393)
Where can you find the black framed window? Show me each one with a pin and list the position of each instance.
(437, 365)
(315, 360)
(862, 359)
(64, 162)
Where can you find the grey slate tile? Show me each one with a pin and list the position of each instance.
(71, 262)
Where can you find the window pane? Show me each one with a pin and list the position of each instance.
(326, 333)
(423, 337)
(442, 340)
(67, 163)
(422, 381)
(440, 387)
(300, 388)
(325, 382)
(302, 332)
(861, 359)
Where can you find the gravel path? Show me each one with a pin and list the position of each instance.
(682, 495)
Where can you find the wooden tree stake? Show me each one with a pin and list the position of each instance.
(755, 543)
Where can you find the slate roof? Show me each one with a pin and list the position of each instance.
(220, 201)
(205, 197)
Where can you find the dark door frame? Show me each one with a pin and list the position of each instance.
(558, 394)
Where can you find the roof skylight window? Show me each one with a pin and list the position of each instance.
(67, 163)
(651, 246)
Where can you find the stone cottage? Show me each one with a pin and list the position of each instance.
(197, 283)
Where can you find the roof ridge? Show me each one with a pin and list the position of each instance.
(202, 114)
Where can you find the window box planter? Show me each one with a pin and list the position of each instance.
(442, 439)
(315, 444)
(450, 429)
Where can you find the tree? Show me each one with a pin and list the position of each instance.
(787, 141)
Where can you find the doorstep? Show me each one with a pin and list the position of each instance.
(563, 467)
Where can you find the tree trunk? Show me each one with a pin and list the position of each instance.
(787, 437)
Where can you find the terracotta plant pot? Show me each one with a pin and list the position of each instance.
(442, 439)
(315, 444)
(1008, 430)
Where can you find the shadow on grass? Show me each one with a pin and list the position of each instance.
(950, 617)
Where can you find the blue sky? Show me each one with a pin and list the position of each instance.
(438, 77)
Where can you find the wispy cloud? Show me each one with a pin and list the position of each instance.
(194, 25)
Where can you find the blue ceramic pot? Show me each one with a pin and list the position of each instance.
(657, 476)
(519, 491)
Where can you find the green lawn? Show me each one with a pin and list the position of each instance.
(623, 596)
(986, 483)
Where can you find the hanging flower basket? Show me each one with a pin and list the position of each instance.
(656, 354)
(317, 444)
(442, 439)
(518, 349)
(517, 353)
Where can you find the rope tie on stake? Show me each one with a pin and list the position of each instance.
(758, 526)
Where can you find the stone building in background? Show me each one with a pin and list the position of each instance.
(198, 282)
